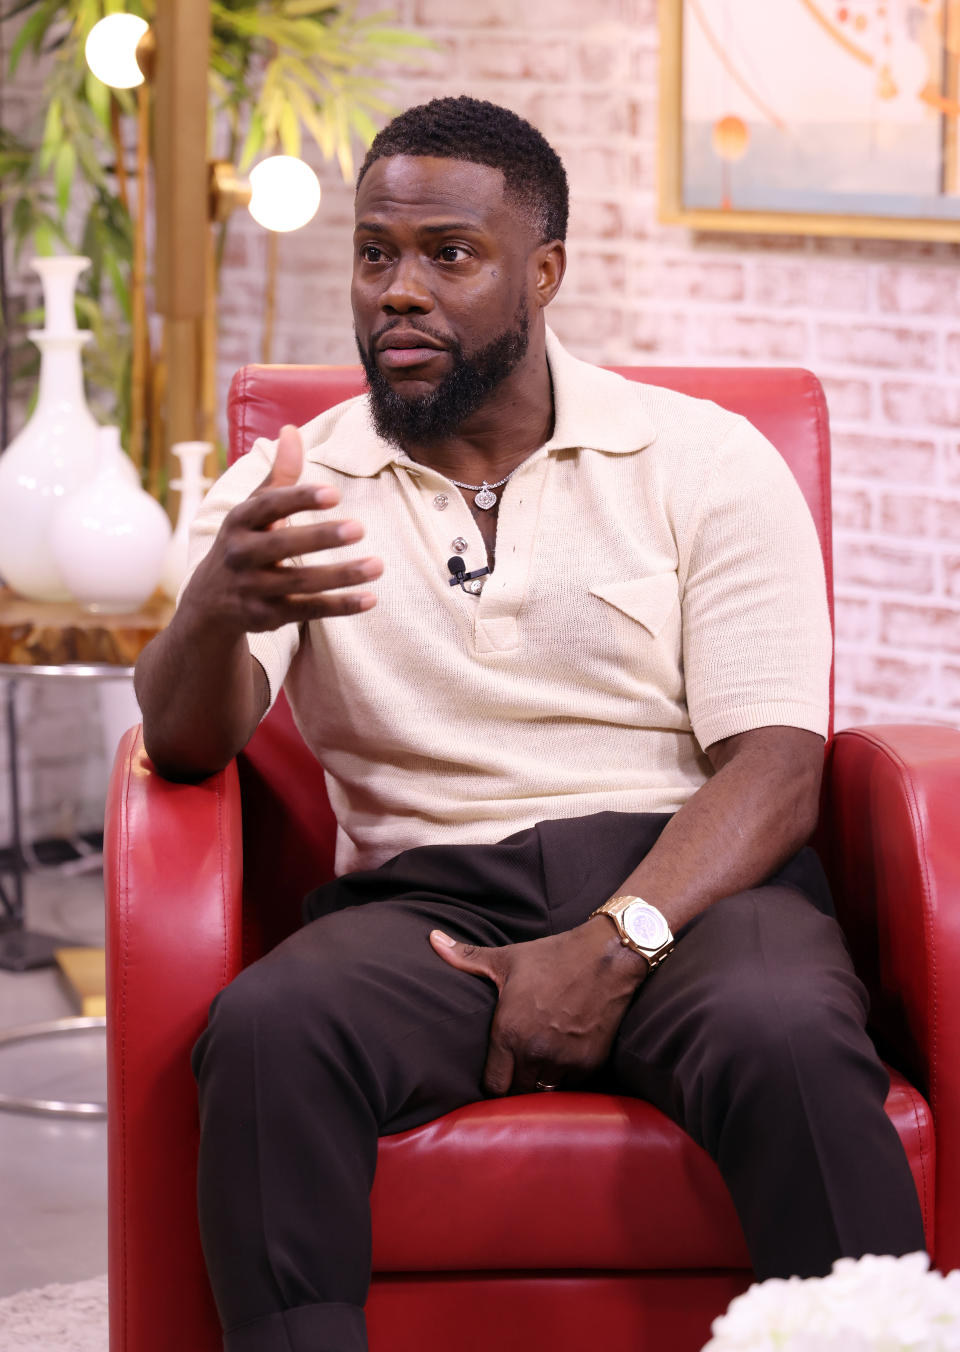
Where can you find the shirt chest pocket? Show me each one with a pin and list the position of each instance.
(651, 601)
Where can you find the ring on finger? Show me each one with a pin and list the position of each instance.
(546, 1088)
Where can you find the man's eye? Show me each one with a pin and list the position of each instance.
(370, 253)
(452, 253)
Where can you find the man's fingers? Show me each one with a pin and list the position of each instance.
(260, 548)
(489, 963)
(288, 462)
(533, 1074)
(269, 505)
(286, 468)
(299, 583)
(326, 606)
(468, 957)
(498, 1072)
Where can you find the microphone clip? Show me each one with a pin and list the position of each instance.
(460, 575)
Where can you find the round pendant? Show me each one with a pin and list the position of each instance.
(485, 499)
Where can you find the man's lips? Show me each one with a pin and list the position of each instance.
(408, 356)
(398, 349)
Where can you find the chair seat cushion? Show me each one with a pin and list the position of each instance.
(574, 1180)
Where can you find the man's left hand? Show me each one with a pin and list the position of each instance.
(561, 1002)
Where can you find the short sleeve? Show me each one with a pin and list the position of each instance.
(757, 642)
(274, 650)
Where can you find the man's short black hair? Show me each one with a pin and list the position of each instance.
(484, 133)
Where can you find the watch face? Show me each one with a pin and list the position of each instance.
(645, 925)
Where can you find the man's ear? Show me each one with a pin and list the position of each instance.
(550, 261)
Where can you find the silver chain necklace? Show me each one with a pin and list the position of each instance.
(486, 498)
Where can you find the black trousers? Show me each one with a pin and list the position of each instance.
(750, 1036)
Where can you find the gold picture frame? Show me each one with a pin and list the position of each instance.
(684, 143)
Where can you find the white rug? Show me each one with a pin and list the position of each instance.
(69, 1318)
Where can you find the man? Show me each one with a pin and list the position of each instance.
(622, 705)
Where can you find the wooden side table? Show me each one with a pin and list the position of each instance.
(54, 641)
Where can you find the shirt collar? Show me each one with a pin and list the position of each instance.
(594, 410)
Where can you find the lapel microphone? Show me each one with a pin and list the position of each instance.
(460, 575)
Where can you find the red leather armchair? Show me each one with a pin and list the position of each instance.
(545, 1223)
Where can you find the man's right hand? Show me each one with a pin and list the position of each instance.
(245, 584)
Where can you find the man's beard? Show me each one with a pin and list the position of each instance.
(469, 383)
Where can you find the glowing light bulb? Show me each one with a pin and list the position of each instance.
(111, 50)
(285, 193)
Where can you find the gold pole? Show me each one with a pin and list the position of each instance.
(182, 29)
(209, 393)
(270, 297)
(158, 409)
(140, 363)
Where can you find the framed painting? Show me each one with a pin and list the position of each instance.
(828, 117)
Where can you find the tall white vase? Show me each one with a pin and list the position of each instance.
(56, 453)
(192, 486)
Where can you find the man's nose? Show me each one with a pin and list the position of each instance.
(407, 290)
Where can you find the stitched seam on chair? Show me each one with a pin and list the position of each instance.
(123, 857)
(929, 946)
(922, 1154)
(224, 909)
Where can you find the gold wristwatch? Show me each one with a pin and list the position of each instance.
(640, 926)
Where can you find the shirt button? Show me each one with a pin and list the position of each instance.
(440, 502)
(476, 586)
(459, 544)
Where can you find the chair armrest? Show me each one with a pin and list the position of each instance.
(172, 875)
(893, 810)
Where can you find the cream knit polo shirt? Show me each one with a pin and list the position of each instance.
(658, 586)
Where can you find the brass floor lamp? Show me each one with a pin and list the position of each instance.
(174, 394)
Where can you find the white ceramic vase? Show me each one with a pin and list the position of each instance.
(192, 486)
(56, 453)
(110, 538)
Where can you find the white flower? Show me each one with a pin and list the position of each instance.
(768, 1317)
(871, 1304)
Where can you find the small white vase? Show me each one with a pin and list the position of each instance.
(109, 538)
(110, 453)
(192, 486)
(56, 452)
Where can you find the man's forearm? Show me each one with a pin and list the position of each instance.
(201, 694)
(738, 828)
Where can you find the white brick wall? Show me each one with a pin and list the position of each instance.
(879, 321)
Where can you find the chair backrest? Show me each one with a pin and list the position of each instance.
(786, 404)
(286, 815)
